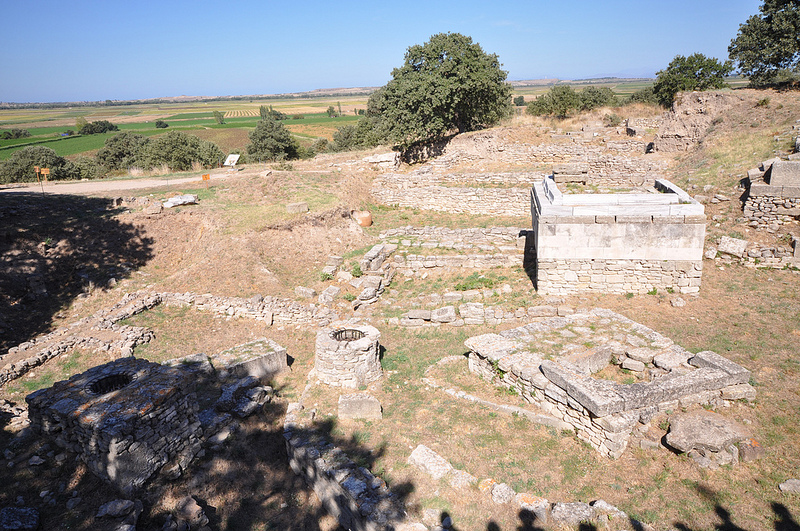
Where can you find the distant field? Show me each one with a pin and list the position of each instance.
(47, 125)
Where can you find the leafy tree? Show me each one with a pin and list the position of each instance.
(121, 151)
(767, 47)
(696, 72)
(559, 101)
(643, 95)
(161, 124)
(219, 117)
(271, 141)
(178, 150)
(519, 101)
(20, 166)
(593, 97)
(331, 111)
(100, 126)
(263, 111)
(449, 83)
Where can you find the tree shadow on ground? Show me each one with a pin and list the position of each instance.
(53, 248)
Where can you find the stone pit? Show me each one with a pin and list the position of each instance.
(348, 356)
(571, 368)
(125, 419)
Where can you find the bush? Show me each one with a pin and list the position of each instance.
(559, 101)
(122, 151)
(593, 97)
(612, 120)
(519, 101)
(94, 128)
(645, 95)
(88, 168)
(15, 133)
(19, 167)
(179, 150)
(161, 124)
(271, 141)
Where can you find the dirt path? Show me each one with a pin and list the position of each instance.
(101, 186)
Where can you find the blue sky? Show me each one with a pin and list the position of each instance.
(58, 50)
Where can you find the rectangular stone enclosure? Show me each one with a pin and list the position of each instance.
(616, 243)
(604, 374)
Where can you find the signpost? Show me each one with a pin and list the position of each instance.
(207, 178)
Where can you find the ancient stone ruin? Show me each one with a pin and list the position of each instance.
(125, 419)
(348, 356)
(616, 243)
(570, 367)
(773, 194)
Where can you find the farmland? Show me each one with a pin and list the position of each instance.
(307, 120)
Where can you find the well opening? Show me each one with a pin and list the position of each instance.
(347, 334)
(112, 382)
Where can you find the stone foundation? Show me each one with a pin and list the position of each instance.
(551, 363)
(125, 419)
(617, 243)
(773, 194)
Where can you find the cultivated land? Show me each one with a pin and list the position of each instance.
(239, 241)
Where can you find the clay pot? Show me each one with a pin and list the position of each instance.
(362, 217)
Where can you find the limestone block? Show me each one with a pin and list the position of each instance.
(425, 315)
(429, 462)
(297, 208)
(359, 406)
(784, 173)
(704, 431)
(305, 293)
(633, 365)
(732, 246)
(446, 314)
(710, 359)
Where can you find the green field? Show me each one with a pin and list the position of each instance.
(46, 126)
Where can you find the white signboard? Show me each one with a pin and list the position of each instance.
(231, 160)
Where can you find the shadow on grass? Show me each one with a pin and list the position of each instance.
(53, 248)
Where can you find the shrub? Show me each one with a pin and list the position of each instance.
(19, 167)
(94, 128)
(88, 168)
(356, 271)
(219, 118)
(645, 95)
(178, 150)
(122, 151)
(271, 141)
(519, 101)
(593, 97)
(764, 102)
(15, 133)
(612, 120)
(161, 124)
(559, 101)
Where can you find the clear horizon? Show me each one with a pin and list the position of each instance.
(96, 51)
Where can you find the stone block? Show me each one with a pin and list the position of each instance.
(297, 208)
(429, 462)
(359, 406)
(262, 358)
(542, 311)
(425, 315)
(633, 365)
(762, 190)
(305, 293)
(704, 431)
(784, 173)
(598, 396)
(446, 314)
(712, 360)
(732, 246)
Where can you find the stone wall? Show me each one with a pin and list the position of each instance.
(773, 194)
(617, 243)
(603, 412)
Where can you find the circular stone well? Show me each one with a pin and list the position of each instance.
(348, 356)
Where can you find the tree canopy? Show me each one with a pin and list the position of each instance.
(767, 47)
(696, 72)
(449, 83)
(562, 100)
(271, 141)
